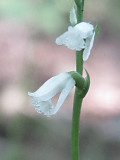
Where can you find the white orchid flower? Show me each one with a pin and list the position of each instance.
(41, 99)
(79, 37)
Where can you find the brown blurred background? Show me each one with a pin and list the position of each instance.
(29, 56)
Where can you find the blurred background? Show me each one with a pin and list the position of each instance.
(29, 56)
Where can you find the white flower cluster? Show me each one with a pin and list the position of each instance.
(79, 37)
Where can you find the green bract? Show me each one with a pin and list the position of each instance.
(81, 83)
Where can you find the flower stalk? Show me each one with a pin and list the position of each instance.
(76, 109)
(77, 97)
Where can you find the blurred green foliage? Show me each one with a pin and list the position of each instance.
(52, 16)
(26, 138)
(47, 15)
(22, 137)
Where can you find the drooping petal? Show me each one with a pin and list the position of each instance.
(51, 87)
(42, 100)
(89, 45)
(69, 86)
(47, 107)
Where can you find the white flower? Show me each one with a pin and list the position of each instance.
(79, 37)
(41, 99)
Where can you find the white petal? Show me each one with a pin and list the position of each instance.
(64, 94)
(45, 107)
(71, 39)
(75, 36)
(89, 45)
(85, 29)
(51, 87)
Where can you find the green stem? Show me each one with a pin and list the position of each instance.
(76, 110)
(79, 14)
(79, 61)
(75, 129)
(82, 5)
(77, 98)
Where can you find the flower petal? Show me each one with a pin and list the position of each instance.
(70, 84)
(75, 37)
(85, 29)
(51, 87)
(71, 39)
(89, 45)
(45, 107)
